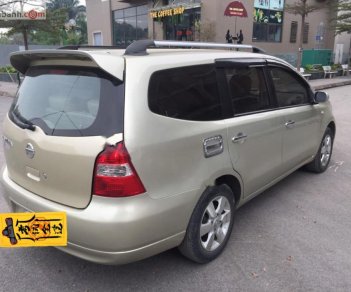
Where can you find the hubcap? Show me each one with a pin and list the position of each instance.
(326, 150)
(215, 223)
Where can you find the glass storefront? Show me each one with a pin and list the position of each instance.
(130, 24)
(181, 27)
(268, 20)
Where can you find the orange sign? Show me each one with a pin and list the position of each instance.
(33, 229)
(167, 12)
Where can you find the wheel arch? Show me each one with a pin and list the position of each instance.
(234, 185)
(332, 126)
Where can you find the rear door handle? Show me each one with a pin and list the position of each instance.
(240, 138)
(290, 124)
(213, 146)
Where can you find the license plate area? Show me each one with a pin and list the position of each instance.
(30, 229)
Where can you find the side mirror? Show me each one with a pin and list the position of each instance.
(321, 96)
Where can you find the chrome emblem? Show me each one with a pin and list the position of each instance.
(30, 152)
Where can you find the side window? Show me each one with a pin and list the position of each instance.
(247, 89)
(289, 89)
(188, 93)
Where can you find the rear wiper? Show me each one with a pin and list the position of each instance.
(22, 121)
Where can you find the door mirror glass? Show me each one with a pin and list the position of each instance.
(321, 96)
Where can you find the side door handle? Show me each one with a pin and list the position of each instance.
(240, 138)
(290, 124)
(213, 146)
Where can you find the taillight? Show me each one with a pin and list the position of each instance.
(114, 174)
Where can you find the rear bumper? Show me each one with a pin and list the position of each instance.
(113, 230)
(123, 257)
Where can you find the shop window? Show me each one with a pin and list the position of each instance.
(130, 24)
(274, 33)
(305, 32)
(268, 20)
(143, 9)
(129, 12)
(267, 32)
(118, 14)
(182, 27)
(259, 31)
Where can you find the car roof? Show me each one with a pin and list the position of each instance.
(193, 56)
(113, 60)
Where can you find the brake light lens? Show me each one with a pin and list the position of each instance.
(115, 175)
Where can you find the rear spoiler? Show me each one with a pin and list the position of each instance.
(112, 64)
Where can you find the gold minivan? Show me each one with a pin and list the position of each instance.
(147, 149)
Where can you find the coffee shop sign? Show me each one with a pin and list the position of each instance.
(167, 12)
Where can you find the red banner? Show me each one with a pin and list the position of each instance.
(235, 8)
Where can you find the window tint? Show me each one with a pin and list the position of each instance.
(288, 88)
(70, 101)
(188, 93)
(247, 89)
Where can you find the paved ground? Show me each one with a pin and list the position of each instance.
(320, 84)
(294, 237)
(8, 88)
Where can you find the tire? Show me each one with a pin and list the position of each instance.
(321, 161)
(210, 225)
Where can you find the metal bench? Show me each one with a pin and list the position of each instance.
(306, 75)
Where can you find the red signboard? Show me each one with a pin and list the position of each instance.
(235, 8)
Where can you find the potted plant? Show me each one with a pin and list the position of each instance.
(8, 74)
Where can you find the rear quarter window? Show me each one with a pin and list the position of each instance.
(71, 101)
(187, 93)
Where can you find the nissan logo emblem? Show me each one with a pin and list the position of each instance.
(30, 152)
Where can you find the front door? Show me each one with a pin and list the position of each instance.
(300, 117)
(254, 131)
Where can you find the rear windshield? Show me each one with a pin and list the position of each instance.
(70, 101)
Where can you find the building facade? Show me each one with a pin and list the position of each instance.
(264, 23)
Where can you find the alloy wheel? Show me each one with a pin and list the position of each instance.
(326, 150)
(215, 223)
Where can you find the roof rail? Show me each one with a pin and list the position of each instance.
(77, 47)
(138, 48)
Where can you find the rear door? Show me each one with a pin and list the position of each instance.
(301, 119)
(254, 131)
(57, 125)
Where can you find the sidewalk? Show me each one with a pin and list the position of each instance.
(320, 84)
(9, 88)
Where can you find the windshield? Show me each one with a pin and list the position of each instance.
(70, 101)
